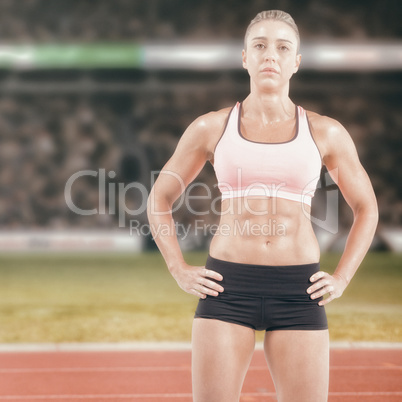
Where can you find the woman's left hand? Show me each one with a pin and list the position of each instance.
(324, 283)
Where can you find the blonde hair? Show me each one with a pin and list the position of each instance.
(273, 15)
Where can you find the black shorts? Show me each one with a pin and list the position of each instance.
(264, 297)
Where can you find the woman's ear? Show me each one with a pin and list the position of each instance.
(298, 61)
(244, 58)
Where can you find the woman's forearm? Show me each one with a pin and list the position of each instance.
(163, 230)
(358, 242)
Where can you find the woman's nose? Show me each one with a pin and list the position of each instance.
(269, 55)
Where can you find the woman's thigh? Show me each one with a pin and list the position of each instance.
(221, 355)
(299, 364)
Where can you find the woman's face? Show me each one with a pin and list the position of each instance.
(271, 56)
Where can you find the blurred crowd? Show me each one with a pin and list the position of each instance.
(120, 20)
(47, 138)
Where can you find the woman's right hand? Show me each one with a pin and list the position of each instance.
(197, 280)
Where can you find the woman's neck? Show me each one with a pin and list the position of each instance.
(269, 107)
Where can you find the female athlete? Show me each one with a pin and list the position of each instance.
(263, 272)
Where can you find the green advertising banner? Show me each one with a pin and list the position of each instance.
(71, 56)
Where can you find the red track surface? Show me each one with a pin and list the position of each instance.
(369, 375)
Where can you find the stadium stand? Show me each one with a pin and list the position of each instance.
(129, 121)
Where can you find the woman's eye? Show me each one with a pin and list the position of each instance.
(283, 48)
(259, 46)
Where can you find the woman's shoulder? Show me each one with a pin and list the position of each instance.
(326, 129)
(321, 124)
(204, 132)
(212, 120)
(327, 132)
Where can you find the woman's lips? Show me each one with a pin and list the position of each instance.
(270, 70)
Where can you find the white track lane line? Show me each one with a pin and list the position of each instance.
(182, 395)
(159, 346)
(156, 369)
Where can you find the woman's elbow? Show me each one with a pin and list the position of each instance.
(368, 211)
(158, 204)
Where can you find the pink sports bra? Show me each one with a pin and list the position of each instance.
(287, 170)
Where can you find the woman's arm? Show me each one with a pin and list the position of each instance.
(193, 150)
(342, 161)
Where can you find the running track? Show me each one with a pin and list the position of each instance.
(163, 375)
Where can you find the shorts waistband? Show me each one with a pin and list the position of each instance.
(263, 280)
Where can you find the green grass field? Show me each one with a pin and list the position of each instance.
(112, 298)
